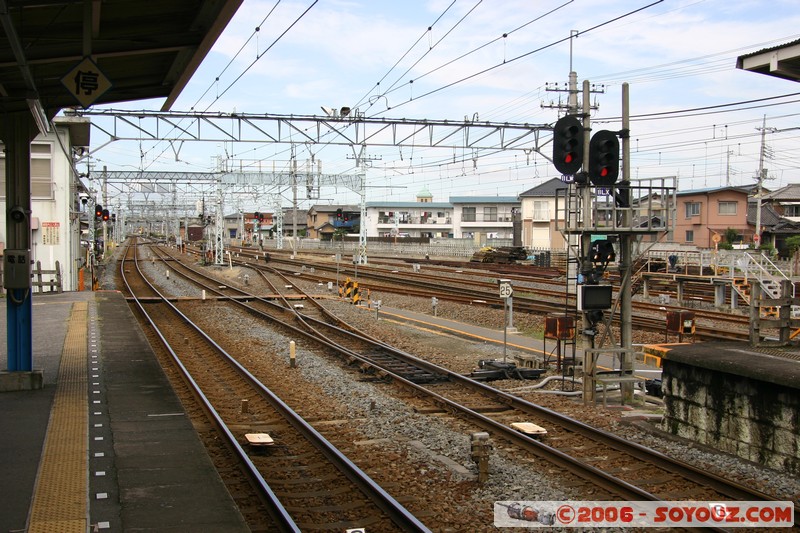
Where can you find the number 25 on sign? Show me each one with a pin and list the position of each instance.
(505, 289)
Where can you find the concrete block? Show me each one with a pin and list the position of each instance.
(785, 442)
(789, 397)
(18, 381)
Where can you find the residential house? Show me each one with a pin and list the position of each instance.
(294, 221)
(702, 213)
(538, 206)
(410, 219)
(780, 215)
(249, 227)
(463, 217)
(324, 220)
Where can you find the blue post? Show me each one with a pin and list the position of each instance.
(20, 330)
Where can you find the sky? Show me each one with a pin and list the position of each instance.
(693, 114)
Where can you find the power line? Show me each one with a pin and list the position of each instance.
(690, 112)
(252, 35)
(521, 56)
(426, 32)
(259, 56)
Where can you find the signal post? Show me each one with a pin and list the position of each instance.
(602, 210)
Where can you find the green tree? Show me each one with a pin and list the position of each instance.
(792, 244)
(732, 236)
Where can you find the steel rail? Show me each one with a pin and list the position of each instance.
(574, 465)
(397, 513)
(280, 516)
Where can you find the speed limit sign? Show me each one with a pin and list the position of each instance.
(505, 289)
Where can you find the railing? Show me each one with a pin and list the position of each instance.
(645, 206)
(762, 269)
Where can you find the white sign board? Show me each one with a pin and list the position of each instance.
(50, 233)
(505, 289)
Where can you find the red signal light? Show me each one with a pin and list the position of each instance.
(568, 145)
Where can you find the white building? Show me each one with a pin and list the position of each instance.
(56, 205)
(484, 217)
(409, 219)
(463, 217)
(539, 216)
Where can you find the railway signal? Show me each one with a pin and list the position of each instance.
(568, 145)
(98, 211)
(604, 158)
(602, 252)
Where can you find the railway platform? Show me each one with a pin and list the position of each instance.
(105, 444)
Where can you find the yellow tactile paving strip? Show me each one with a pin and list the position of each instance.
(60, 497)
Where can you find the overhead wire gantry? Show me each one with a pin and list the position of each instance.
(342, 129)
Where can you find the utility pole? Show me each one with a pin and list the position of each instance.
(105, 203)
(626, 253)
(757, 237)
(294, 205)
(761, 176)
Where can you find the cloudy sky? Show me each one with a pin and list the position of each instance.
(694, 115)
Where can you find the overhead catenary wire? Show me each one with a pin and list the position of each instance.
(241, 49)
(518, 57)
(258, 57)
(666, 72)
(408, 51)
(261, 55)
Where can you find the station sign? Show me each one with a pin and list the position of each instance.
(86, 82)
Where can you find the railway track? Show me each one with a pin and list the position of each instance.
(302, 480)
(469, 291)
(622, 469)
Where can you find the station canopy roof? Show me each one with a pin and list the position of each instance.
(781, 61)
(129, 49)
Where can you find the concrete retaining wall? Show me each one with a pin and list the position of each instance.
(748, 416)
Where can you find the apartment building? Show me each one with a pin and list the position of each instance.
(462, 217)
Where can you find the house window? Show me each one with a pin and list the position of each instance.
(727, 208)
(791, 211)
(689, 236)
(41, 172)
(468, 214)
(490, 214)
(692, 209)
(540, 210)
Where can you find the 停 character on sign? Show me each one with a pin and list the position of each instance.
(86, 81)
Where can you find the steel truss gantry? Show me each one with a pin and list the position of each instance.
(355, 131)
(178, 127)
